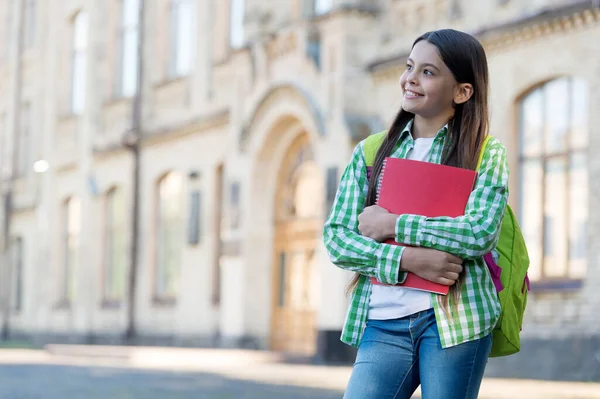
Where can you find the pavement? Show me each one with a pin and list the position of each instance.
(113, 372)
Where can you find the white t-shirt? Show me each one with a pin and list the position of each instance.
(391, 302)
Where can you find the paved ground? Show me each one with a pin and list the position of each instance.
(72, 372)
(68, 382)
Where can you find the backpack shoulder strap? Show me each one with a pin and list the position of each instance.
(483, 147)
(371, 146)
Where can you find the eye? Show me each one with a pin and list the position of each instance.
(408, 67)
(428, 72)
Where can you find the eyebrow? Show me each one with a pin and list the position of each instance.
(425, 65)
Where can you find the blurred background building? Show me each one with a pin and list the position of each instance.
(167, 165)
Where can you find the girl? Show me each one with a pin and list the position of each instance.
(405, 337)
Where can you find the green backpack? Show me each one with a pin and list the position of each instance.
(509, 274)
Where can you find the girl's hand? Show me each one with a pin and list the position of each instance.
(433, 265)
(377, 223)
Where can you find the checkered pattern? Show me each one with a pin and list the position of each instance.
(469, 237)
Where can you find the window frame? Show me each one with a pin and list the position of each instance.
(30, 31)
(176, 44)
(71, 234)
(17, 283)
(112, 229)
(236, 24)
(79, 47)
(546, 281)
(161, 293)
(124, 31)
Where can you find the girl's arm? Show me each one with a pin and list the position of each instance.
(476, 233)
(347, 248)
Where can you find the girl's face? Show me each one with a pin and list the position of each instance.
(428, 86)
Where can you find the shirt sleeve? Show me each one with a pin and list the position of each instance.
(346, 247)
(476, 233)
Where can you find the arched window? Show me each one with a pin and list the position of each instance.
(236, 23)
(182, 38)
(115, 247)
(553, 136)
(323, 6)
(79, 62)
(71, 226)
(18, 254)
(169, 236)
(129, 37)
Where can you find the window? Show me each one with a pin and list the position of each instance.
(6, 30)
(234, 205)
(554, 178)
(181, 37)
(71, 217)
(24, 162)
(323, 6)
(79, 62)
(127, 82)
(236, 23)
(169, 235)
(115, 250)
(30, 24)
(17, 274)
(3, 147)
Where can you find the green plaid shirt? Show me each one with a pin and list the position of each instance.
(469, 237)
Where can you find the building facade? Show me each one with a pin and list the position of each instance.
(176, 194)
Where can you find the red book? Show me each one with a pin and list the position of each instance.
(427, 189)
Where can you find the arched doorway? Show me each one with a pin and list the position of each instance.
(298, 220)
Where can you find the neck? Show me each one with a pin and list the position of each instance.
(428, 127)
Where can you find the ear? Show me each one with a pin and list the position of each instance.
(463, 93)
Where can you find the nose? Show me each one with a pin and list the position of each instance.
(411, 77)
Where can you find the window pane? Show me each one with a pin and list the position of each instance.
(236, 33)
(185, 37)
(555, 218)
(118, 262)
(170, 235)
(80, 31)
(173, 38)
(74, 216)
(532, 124)
(161, 258)
(70, 283)
(580, 122)
(78, 85)
(129, 66)
(556, 99)
(531, 213)
(72, 229)
(30, 23)
(17, 274)
(323, 6)
(131, 13)
(578, 204)
(116, 256)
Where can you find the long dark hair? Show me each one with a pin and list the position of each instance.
(465, 57)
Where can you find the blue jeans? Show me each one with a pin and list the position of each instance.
(395, 356)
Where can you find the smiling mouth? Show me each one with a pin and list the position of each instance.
(412, 94)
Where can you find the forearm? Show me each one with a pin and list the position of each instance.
(351, 251)
(466, 236)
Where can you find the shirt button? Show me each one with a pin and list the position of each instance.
(434, 241)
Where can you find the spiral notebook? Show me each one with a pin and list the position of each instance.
(427, 189)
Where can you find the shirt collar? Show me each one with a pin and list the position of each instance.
(440, 135)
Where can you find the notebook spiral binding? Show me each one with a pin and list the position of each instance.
(379, 180)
